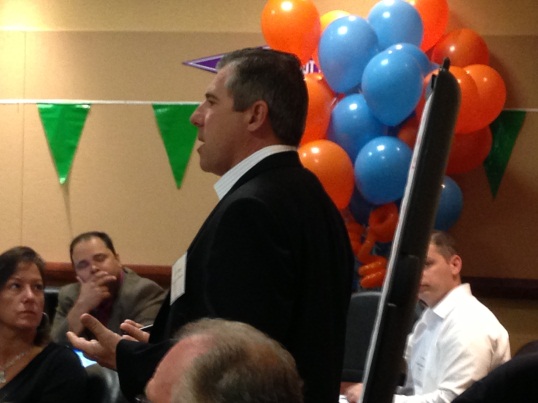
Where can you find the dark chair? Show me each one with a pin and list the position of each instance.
(51, 301)
(529, 348)
(360, 324)
(103, 385)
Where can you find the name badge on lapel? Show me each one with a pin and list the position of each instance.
(177, 288)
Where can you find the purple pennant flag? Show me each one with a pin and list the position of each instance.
(209, 63)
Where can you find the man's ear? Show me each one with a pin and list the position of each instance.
(455, 264)
(258, 115)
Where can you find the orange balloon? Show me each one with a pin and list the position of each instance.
(383, 221)
(426, 90)
(321, 100)
(292, 26)
(333, 167)
(375, 266)
(330, 16)
(365, 252)
(374, 280)
(463, 47)
(491, 92)
(434, 14)
(469, 104)
(408, 131)
(354, 231)
(468, 151)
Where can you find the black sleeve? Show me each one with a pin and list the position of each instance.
(514, 382)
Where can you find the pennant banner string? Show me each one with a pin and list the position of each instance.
(93, 102)
(10, 101)
(63, 122)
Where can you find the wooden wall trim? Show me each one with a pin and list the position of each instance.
(510, 288)
(61, 273)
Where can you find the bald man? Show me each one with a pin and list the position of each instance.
(228, 362)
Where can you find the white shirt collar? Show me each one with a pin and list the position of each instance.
(443, 307)
(226, 182)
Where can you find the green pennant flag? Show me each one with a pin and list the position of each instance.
(178, 135)
(63, 124)
(504, 130)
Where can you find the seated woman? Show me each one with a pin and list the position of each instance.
(32, 369)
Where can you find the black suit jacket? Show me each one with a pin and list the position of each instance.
(515, 381)
(273, 253)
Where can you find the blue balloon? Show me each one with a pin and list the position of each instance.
(450, 205)
(381, 169)
(353, 124)
(392, 86)
(426, 66)
(345, 48)
(396, 21)
(360, 208)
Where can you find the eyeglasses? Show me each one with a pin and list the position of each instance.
(142, 399)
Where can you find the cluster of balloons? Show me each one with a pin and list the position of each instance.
(366, 101)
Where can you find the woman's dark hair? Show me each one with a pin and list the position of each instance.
(9, 261)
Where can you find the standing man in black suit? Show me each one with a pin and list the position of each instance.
(274, 253)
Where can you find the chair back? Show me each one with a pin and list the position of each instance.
(360, 324)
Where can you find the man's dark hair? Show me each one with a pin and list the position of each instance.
(276, 78)
(88, 235)
(445, 243)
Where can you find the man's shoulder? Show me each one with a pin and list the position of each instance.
(471, 315)
(133, 281)
(277, 180)
(69, 290)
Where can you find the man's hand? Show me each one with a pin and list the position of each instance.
(92, 293)
(95, 290)
(103, 349)
(133, 331)
(353, 393)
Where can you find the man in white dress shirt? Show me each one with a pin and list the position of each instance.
(457, 339)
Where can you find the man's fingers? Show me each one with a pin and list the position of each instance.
(103, 349)
(354, 393)
(79, 343)
(94, 326)
(95, 351)
(102, 278)
(132, 331)
(132, 323)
